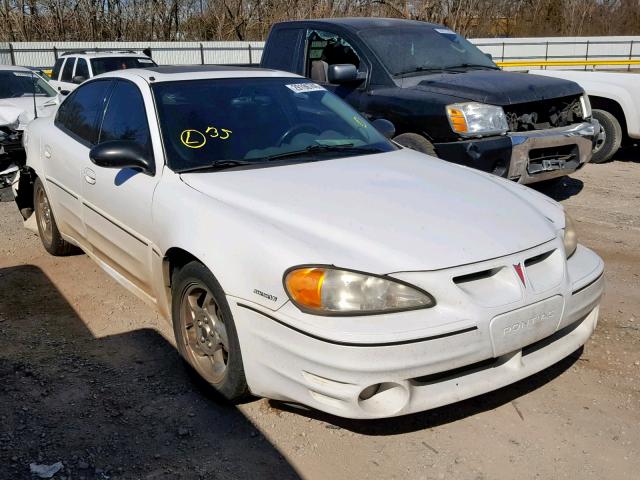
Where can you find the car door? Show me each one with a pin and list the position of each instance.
(64, 152)
(324, 49)
(117, 202)
(65, 83)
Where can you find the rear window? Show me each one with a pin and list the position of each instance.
(109, 64)
(67, 71)
(56, 68)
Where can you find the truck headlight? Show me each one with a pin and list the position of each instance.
(570, 236)
(585, 105)
(325, 290)
(473, 119)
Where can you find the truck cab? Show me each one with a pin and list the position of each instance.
(444, 96)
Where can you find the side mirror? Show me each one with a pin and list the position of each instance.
(489, 56)
(64, 92)
(385, 127)
(121, 154)
(78, 79)
(342, 73)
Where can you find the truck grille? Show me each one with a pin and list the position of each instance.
(544, 114)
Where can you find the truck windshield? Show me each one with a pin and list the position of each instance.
(424, 49)
(109, 64)
(224, 123)
(17, 83)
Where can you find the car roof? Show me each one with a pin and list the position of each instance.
(362, 23)
(14, 68)
(195, 72)
(99, 54)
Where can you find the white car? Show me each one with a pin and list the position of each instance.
(73, 68)
(23, 95)
(615, 98)
(298, 253)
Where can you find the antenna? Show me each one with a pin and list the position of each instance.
(33, 95)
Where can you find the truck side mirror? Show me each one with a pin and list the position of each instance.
(342, 73)
(385, 127)
(78, 79)
(489, 56)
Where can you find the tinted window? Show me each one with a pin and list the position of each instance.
(56, 68)
(109, 64)
(78, 113)
(324, 49)
(67, 72)
(282, 47)
(82, 69)
(125, 117)
(248, 120)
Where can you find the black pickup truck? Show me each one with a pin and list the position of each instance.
(443, 95)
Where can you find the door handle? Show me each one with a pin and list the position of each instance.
(89, 176)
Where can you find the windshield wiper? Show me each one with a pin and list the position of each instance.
(419, 69)
(217, 165)
(313, 149)
(470, 65)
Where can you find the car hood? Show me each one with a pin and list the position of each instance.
(20, 110)
(494, 87)
(384, 213)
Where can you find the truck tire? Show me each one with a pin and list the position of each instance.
(48, 231)
(609, 144)
(416, 142)
(205, 331)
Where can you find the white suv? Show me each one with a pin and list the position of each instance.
(73, 68)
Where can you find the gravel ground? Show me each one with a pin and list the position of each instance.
(90, 378)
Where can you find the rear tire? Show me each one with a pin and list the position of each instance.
(612, 138)
(205, 331)
(48, 231)
(416, 142)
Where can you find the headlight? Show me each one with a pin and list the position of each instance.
(585, 105)
(570, 236)
(329, 291)
(474, 119)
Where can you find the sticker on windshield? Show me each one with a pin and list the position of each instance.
(304, 87)
(145, 60)
(23, 74)
(445, 31)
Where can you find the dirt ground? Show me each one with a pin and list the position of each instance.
(89, 377)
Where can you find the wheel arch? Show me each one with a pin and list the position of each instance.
(613, 107)
(174, 258)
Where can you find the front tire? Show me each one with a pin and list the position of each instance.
(205, 331)
(611, 138)
(48, 231)
(416, 142)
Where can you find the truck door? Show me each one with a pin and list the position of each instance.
(324, 49)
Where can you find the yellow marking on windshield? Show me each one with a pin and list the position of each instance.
(193, 138)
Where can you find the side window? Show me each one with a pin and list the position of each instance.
(125, 117)
(78, 114)
(81, 69)
(324, 49)
(282, 50)
(67, 71)
(56, 68)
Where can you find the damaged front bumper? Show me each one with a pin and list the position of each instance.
(527, 157)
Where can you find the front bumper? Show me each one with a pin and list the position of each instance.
(378, 380)
(527, 157)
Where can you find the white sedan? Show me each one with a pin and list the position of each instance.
(298, 253)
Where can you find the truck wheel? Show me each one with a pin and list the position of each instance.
(50, 236)
(205, 332)
(610, 139)
(416, 142)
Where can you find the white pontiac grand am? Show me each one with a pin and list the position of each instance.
(301, 255)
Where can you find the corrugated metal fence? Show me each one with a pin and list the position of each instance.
(44, 54)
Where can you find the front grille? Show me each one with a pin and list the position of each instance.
(544, 114)
(553, 158)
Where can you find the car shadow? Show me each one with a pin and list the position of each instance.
(628, 154)
(559, 188)
(114, 407)
(442, 415)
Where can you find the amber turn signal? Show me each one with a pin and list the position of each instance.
(305, 286)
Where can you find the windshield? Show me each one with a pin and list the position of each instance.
(251, 120)
(16, 83)
(109, 64)
(424, 48)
